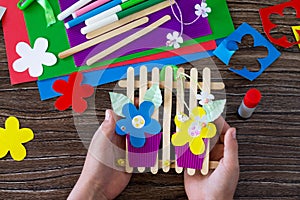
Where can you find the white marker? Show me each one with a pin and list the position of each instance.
(103, 15)
(66, 13)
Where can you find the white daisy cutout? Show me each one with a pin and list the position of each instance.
(182, 117)
(204, 98)
(202, 10)
(174, 40)
(34, 58)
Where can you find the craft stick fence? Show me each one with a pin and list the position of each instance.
(168, 85)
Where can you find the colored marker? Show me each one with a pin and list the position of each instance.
(249, 103)
(66, 13)
(112, 11)
(119, 15)
(89, 7)
(92, 13)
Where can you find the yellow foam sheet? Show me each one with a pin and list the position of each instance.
(296, 30)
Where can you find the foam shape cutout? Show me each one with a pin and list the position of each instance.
(34, 58)
(153, 95)
(109, 75)
(137, 123)
(2, 11)
(224, 53)
(73, 93)
(12, 139)
(193, 131)
(118, 101)
(268, 25)
(214, 109)
(14, 30)
(296, 31)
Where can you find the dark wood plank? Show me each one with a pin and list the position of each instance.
(268, 142)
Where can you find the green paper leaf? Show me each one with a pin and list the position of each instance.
(118, 101)
(214, 109)
(154, 95)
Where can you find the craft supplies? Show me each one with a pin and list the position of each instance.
(102, 38)
(89, 7)
(296, 31)
(92, 13)
(128, 40)
(112, 11)
(130, 18)
(120, 15)
(249, 103)
(66, 13)
(23, 4)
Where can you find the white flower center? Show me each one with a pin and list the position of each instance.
(138, 122)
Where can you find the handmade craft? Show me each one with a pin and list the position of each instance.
(268, 25)
(296, 31)
(143, 140)
(12, 139)
(229, 46)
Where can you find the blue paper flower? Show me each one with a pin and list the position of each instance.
(138, 122)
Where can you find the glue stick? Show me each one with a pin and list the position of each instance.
(249, 103)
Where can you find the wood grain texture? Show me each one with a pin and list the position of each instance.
(269, 147)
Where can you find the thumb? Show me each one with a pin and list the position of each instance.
(231, 159)
(108, 126)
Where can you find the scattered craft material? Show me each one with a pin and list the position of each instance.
(202, 10)
(249, 103)
(12, 139)
(73, 93)
(142, 145)
(46, 6)
(2, 11)
(268, 25)
(296, 31)
(34, 58)
(89, 7)
(229, 46)
(67, 12)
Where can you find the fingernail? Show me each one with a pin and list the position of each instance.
(233, 133)
(107, 115)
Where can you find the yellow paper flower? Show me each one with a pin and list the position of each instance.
(193, 131)
(12, 139)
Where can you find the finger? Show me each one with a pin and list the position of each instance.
(136, 102)
(231, 149)
(221, 125)
(222, 137)
(217, 152)
(108, 126)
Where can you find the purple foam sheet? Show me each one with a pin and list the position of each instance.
(186, 159)
(146, 155)
(155, 39)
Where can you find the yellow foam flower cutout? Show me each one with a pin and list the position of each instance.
(185, 135)
(12, 139)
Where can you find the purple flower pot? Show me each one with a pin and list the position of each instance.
(186, 159)
(146, 155)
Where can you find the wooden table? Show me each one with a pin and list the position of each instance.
(268, 142)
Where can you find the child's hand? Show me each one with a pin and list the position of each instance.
(221, 183)
(101, 178)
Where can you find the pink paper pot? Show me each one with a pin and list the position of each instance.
(146, 155)
(186, 159)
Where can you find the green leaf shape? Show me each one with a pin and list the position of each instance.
(214, 109)
(154, 95)
(118, 101)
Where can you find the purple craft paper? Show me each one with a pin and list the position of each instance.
(146, 155)
(155, 39)
(185, 158)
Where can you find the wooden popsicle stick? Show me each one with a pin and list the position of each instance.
(206, 88)
(102, 38)
(130, 94)
(193, 101)
(179, 106)
(128, 40)
(167, 119)
(212, 164)
(214, 85)
(155, 80)
(122, 22)
(142, 92)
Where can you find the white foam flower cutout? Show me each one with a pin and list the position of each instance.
(204, 98)
(202, 10)
(34, 58)
(174, 40)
